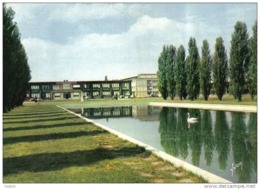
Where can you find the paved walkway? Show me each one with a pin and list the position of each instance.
(236, 108)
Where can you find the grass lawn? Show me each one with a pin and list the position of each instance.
(227, 99)
(45, 144)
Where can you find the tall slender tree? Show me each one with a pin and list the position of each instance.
(16, 71)
(252, 68)
(162, 80)
(220, 68)
(205, 70)
(170, 64)
(192, 70)
(238, 60)
(180, 73)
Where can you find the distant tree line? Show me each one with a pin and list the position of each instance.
(16, 71)
(194, 75)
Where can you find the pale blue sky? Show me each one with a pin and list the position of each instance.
(88, 41)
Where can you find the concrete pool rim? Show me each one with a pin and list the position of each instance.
(220, 107)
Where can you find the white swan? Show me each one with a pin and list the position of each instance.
(192, 119)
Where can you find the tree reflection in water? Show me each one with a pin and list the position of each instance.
(222, 139)
(223, 143)
(242, 146)
(236, 142)
(207, 136)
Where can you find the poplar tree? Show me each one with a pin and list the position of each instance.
(205, 70)
(170, 64)
(220, 68)
(252, 69)
(180, 73)
(16, 71)
(192, 70)
(162, 80)
(238, 60)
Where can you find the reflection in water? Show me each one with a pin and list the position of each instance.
(207, 136)
(183, 132)
(252, 124)
(178, 138)
(222, 139)
(220, 142)
(107, 112)
(241, 147)
(194, 139)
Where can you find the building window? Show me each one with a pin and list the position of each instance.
(126, 93)
(35, 95)
(96, 85)
(116, 93)
(106, 93)
(96, 93)
(75, 95)
(35, 87)
(86, 86)
(48, 95)
(115, 85)
(105, 85)
(46, 87)
(66, 86)
(56, 87)
(86, 95)
(149, 82)
(57, 95)
(125, 85)
(76, 86)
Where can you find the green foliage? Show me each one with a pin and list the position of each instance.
(16, 72)
(252, 68)
(205, 70)
(180, 73)
(220, 68)
(170, 64)
(165, 72)
(162, 80)
(192, 70)
(239, 58)
(195, 74)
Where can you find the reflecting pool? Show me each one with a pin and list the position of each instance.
(223, 143)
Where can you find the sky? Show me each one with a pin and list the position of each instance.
(88, 41)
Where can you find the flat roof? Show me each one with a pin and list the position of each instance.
(75, 82)
(94, 81)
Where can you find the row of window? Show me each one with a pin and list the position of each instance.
(77, 86)
(74, 94)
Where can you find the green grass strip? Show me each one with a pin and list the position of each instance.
(45, 144)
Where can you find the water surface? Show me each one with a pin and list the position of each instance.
(223, 143)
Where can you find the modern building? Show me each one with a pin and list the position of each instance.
(79, 89)
(144, 85)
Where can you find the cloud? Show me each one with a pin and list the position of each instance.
(90, 11)
(134, 50)
(145, 23)
(94, 55)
